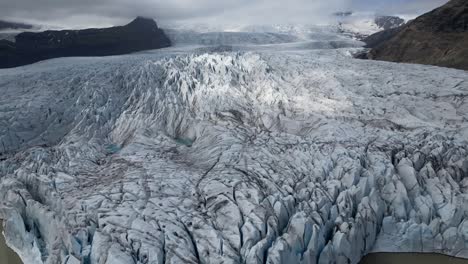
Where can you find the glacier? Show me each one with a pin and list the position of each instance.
(281, 151)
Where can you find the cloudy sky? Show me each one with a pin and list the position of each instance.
(85, 13)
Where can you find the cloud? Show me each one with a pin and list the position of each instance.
(84, 13)
(415, 7)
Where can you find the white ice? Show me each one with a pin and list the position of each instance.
(281, 153)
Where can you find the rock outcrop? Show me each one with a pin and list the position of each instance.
(140, 34)
(439, 38)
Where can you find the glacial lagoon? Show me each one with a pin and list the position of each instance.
(7, 255)
(411, 258)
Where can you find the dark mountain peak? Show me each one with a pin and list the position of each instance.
(140, 34)
(143, 22)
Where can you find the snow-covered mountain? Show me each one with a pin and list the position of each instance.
(360, 25)
(284, 152)
(389, 22)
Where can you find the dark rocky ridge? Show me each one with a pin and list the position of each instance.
(439, 38)
(380, 37)
(140, 34)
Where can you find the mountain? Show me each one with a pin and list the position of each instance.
(13, 25)
(439, 38)
(361, 25)
(380, 37)
(140, 34)
(8, 36)
(388, 22)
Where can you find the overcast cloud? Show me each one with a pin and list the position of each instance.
(85, 13)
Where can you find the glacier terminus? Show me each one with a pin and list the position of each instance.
(233, 148)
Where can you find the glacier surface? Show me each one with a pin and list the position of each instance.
(281, 153)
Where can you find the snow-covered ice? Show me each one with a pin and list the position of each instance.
(279, 153)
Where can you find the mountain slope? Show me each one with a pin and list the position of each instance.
(140, 34)
(437, 38)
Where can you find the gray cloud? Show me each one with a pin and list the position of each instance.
(84, 13)
(415, 7)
